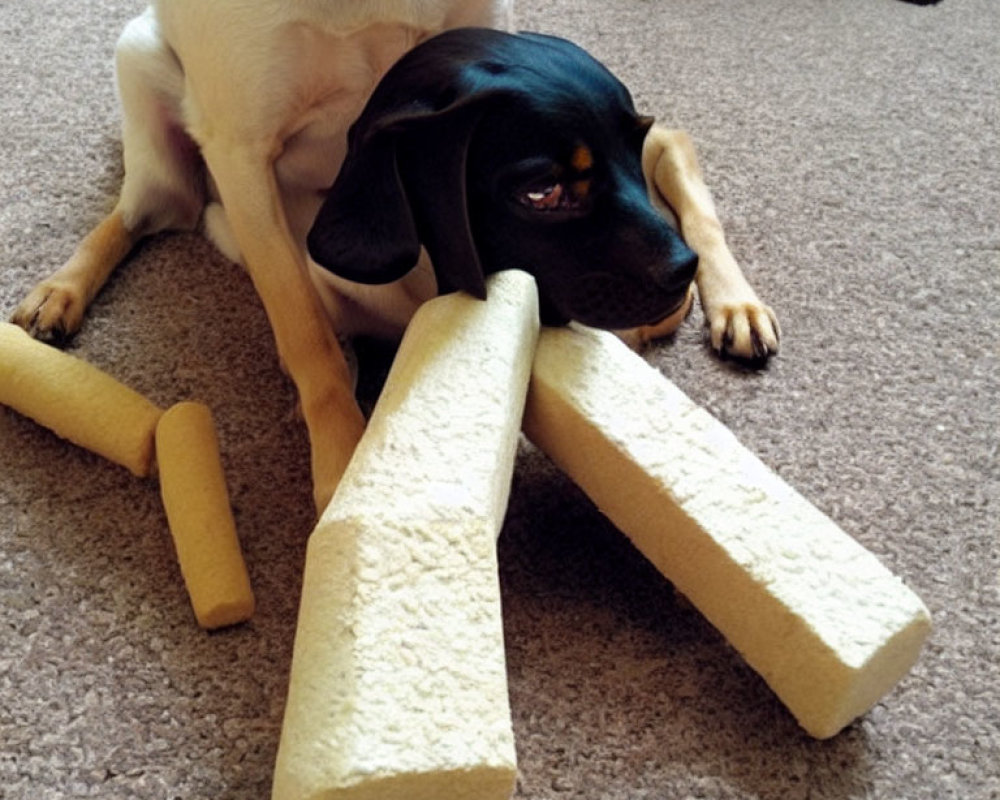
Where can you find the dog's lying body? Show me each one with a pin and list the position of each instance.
(236, 115)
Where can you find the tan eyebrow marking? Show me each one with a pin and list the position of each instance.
(583, 158)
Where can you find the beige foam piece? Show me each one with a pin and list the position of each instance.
(398, 687)
(829, 628)
(193, 487)
(76, 400)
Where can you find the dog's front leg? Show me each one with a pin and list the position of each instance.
(54, 309)
(306, 343)
(739, 323)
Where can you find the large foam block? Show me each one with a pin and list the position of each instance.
(398, 685)
(817, 615)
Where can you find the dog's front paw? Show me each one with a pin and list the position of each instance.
(53, 311)
(742, 327)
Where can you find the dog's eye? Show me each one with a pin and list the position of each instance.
(546, 198)
(550, 197)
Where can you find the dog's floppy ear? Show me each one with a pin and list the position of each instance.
(402, 184)
(364, 230)
(432, 157)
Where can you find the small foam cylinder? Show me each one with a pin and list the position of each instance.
(76, 400)
(193, 488)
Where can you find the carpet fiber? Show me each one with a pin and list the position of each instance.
(852, 148)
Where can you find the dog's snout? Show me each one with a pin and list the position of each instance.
(683, 264)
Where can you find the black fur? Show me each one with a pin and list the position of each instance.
(497, 151)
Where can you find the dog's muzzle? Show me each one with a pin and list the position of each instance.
(604, 300)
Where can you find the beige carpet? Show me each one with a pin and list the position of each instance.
(853, 150)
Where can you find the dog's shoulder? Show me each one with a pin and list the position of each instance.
(335, 16)
(250, 54)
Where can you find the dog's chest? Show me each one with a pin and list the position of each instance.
(295, 86)
(329, 78)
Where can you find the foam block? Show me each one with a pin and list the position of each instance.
(76, 400)
(829, 628)
(398, 686)
(193, 487)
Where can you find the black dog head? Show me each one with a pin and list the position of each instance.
(497, 151)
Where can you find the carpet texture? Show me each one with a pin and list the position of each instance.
(852, 148)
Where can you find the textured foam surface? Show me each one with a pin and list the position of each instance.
(399, 683)
(828, 627)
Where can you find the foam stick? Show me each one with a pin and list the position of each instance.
(398, 686)
(819, 617)
(76, 400)
(193, 488)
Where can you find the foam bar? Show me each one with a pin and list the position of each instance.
(398, 685)
(76, 400)
(829, 628)
(193, 487)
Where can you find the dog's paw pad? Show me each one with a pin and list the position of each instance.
(747, 331)
(52, 312)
